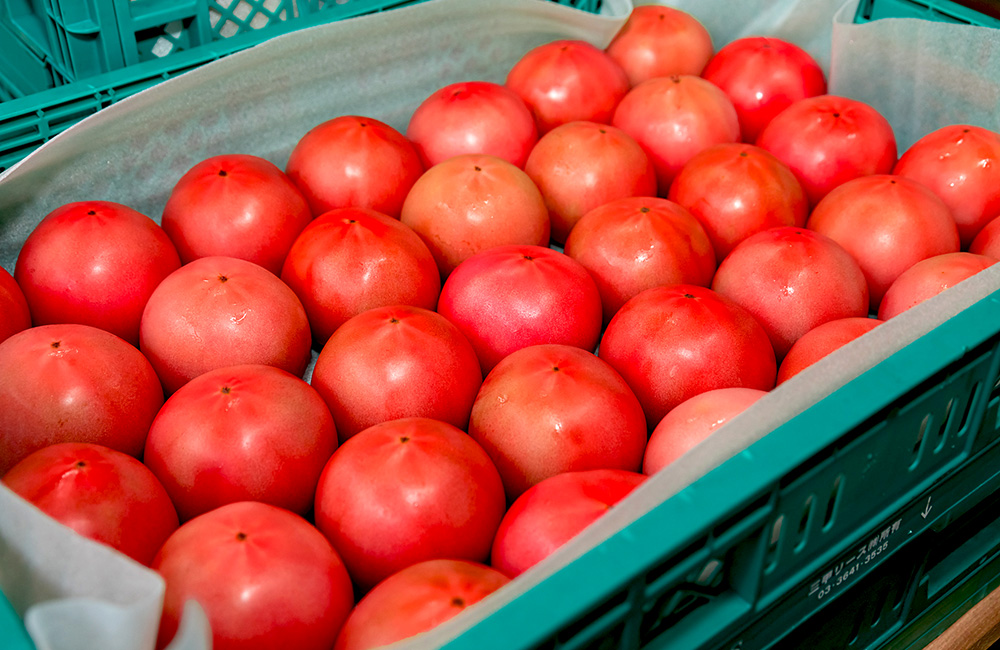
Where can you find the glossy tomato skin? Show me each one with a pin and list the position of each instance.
(354, 161)
(659, 41)
(73, 383)
(764, 76)
(241, 433)
(987, 242)
(568, 80)
(887, 223)
(14, 313)
(821, 341)
(350, 260)
(222, 311)
(961, 164)
(511, 297)
(692, 422)
(554, 511)
(470, 203)
(473, 117)
(927, 278)
(828, 140)
(100, 493)
(634, 244)
(580, 166)
(671, 343)
(549, 409)
(235, 205)
(791, 280)
(405, 491)
(264, 576)
(415, 600)
(736, 190)
(673, 118)
(94, 263)
(394, 362)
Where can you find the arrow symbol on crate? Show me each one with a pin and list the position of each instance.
(927, 509)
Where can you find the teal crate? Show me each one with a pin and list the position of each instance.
(983, 13)
(13, 636)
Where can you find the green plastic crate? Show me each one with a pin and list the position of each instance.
(13, 636)
(984, 13)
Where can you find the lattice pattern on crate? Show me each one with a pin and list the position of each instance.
(231, 17)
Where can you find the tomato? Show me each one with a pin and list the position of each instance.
(582, 165)
(14, 314)
(470, 203)
(828, 140)
(821, 341)
(415, 600)
(887, 223)
(549, 409)
(94, 263)
(100, 493)
(554, 511)
(961, 164)
(73, 383)
(405, 491)
(568, 80)
(791, 280)
(673, 118)
(987, 242)
(394, 362)
(764, 76)
(737, 190)
(631, 245)
(671, 343)
(354, 161)
(473, 117)
(241, 433)
(927, 278)
(351, 260)
(222, 311)
(238, 206)
(692, 421)
(658, 41)
(510, 297)
(264, 576)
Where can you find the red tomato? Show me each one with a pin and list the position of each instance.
(828, 140)
(73, 383)
(509, 297)
(471, 203)
(692, 421)
(222, 311)
(415, 600)
(582, 165)
(353, 161)
(554, 511)
(821, 341)
(473, 117)
(14, 314)
(887, 223)
(791, 280)
(94, 263)
(671, 343)
(674, 118)
(737, 190)
(264, 576)
(241, 433)
(987, 242)
(568, 80)
(631, 245)
(658, 41)
(764, 76)
(961, 164)
(351, 260)
(395, 362)
(550, 409)
(100, 493)
(406, 491)
(237, 206)
(927, 278)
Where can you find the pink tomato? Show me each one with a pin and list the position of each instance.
(14, 313)
(821, 341)
(927, 278)
(659, 41)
